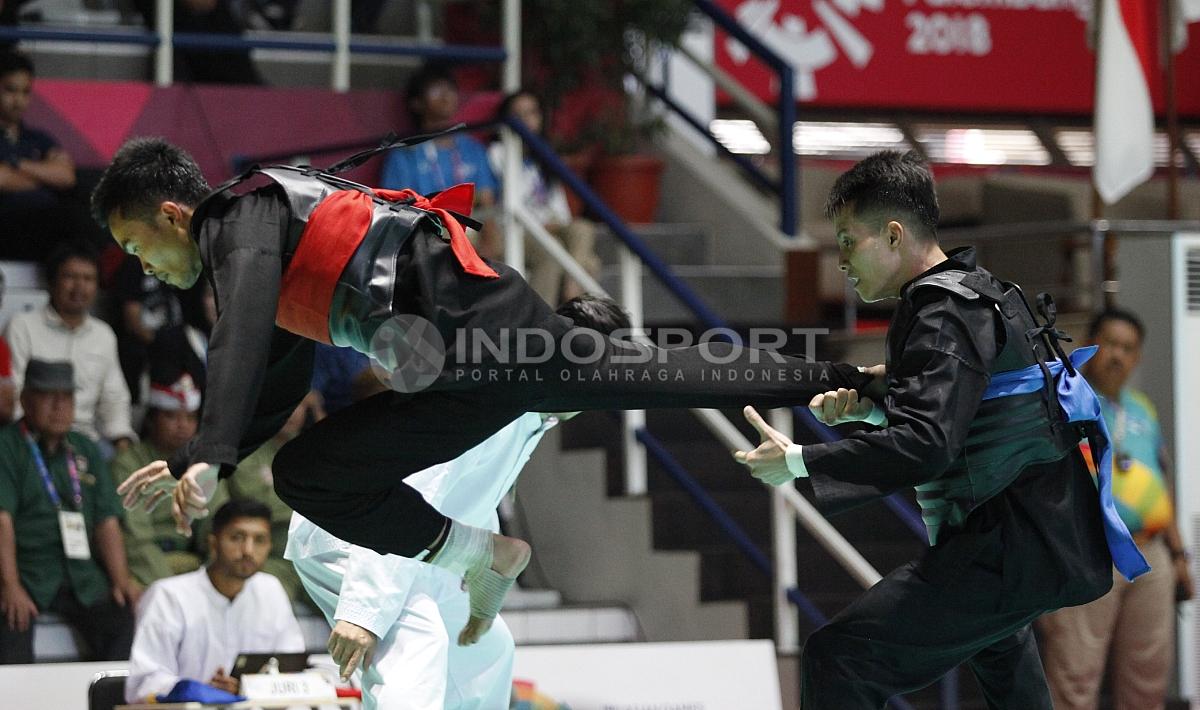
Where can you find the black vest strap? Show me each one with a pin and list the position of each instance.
(392, 140)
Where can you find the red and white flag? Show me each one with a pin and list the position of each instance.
(1124, 115)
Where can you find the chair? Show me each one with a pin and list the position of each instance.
(107, 690)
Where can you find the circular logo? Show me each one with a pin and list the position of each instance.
(407, 353)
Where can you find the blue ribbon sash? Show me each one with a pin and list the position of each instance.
(1080, 404)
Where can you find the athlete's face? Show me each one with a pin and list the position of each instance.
(162, 243)
(870, 255)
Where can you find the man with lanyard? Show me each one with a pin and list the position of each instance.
(1134, 624)
(59, 512)
(983, 416)
(331, 261)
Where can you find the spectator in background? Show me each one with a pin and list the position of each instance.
(154, 547)
(8, 388)
(144, 306)
(60, 537)
(35, 173)
(254, 480)
(184, 347)
(194, 625)
(65, 329)
(545, 198)
(217, 17)
(431, 99)
(1134, 624)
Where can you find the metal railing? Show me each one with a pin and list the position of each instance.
(787, 186)
(788, 505)
(340, 44)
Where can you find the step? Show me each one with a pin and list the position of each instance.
(739, 294)
(679, 524)
(572, 624)
(673, 242)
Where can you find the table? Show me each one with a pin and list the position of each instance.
(347, 703)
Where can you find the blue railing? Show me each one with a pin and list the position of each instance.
(204, 41)
(789, 185)
(734, 531)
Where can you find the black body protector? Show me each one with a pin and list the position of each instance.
(1008, 433)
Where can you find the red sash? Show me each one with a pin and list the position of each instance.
(335, 229)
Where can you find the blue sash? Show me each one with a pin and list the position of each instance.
(1080, 404)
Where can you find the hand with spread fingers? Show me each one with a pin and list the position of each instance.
(767, 462)
(148, 486)
(840, 407)
(350, 644)
(189, 500)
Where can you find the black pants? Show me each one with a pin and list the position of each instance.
(346, 472)
(106, 630)
(905, 633)
(1035, 547)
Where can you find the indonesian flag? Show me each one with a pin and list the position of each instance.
(1124, 114)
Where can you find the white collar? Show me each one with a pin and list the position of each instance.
(55, 321)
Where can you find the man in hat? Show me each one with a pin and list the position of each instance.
(154, 547)
(60, 536)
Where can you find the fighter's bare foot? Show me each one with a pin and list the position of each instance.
(488, 587)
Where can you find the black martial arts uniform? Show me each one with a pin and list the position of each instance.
(346, 472)
(1012, 510)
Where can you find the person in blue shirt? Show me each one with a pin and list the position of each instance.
(432, 100)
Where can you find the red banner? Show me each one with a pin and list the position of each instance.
(1003, 56)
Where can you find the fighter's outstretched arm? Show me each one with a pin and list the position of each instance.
(629, 375)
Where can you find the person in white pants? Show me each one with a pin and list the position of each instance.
(399, 616)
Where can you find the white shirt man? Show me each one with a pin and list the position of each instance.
(64, 330)
(193, 626)
(416, 610)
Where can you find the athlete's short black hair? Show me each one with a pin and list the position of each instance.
(11, 61)
(595, 312)
(144, 173)
(239, 508)
(1116, 314)
(887, 183)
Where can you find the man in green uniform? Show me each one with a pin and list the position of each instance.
(60, 536)
(154, 547)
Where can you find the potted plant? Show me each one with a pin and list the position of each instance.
(584, 49)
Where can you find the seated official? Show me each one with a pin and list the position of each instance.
(193, 626)
(60, 536)
(154, 547)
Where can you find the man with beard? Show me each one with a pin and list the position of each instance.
(193, 626)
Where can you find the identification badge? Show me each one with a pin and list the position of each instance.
(74, 535)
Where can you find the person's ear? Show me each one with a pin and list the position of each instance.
(895, 233)
(172, 212)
